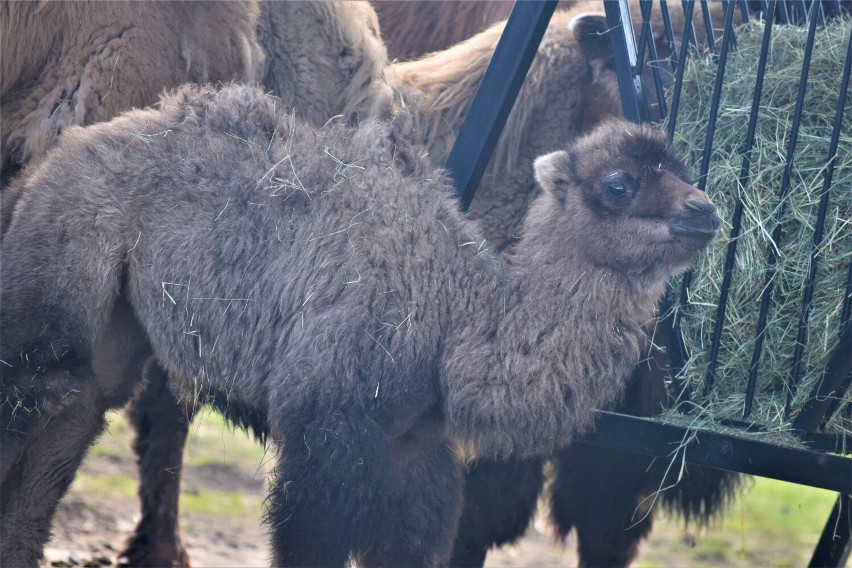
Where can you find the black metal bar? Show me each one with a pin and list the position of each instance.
(834, 543)
(669, 323)
(744, 11)
(648, 37)
(736, 222)
(716, 96)
(745, 20)
(686, 280)
(708, 141)
(688, 32)
(782, 13)
(820, 13)
(845, 324)
(624, 50)
(667, 25)
(837, 373)
(496, 94)
(722, 451)
(807, 295)
(708, 26)
(645, 11)
(766, 295)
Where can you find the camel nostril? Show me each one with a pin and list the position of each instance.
(701, 205)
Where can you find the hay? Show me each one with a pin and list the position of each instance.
(760, 199)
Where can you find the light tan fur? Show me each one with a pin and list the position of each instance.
(75, 63)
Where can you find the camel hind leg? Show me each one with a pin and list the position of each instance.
(56, 299)
(162, 425)
(41, 475)
(51, 454)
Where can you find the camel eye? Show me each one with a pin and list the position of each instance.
(616, 190)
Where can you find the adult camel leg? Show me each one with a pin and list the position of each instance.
(499, 503)
(162, 425)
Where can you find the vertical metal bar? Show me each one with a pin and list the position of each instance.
(624, 51)
(686, 281)
(667, 25)
(645, 11)
(834, 543)
(807, 295)
(736, 221)
(766, 295)
(744, 11)
(716, 97)
(690, 38)
(782, 13)
(825, 398)
(820, 13)
(681, 65)
(670, 319)
(648, 36)
(496, 94)
(745, 20)
(708, 26)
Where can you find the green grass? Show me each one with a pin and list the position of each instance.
(213, 442)
(224, 503)
(772, 524)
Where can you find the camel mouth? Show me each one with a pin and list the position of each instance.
(694, 232)
(697, 226)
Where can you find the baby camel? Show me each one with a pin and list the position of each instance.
(321, 288)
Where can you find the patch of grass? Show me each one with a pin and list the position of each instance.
(772, 524)
(214, 443)
(105, 485)
(225, 503)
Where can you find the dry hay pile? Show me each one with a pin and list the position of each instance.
(761, 199)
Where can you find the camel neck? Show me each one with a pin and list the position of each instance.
(558, 341)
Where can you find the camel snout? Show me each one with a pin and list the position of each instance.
(700, 205)
(697, 225)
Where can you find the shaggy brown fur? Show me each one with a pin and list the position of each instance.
(412, 28)
(322, 288)
(325, 59)
(74, 63)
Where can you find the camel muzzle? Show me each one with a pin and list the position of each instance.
(697, 225)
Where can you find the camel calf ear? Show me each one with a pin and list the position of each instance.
(591, 32)
(550, 172)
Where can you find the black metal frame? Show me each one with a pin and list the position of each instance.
(469, 157)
